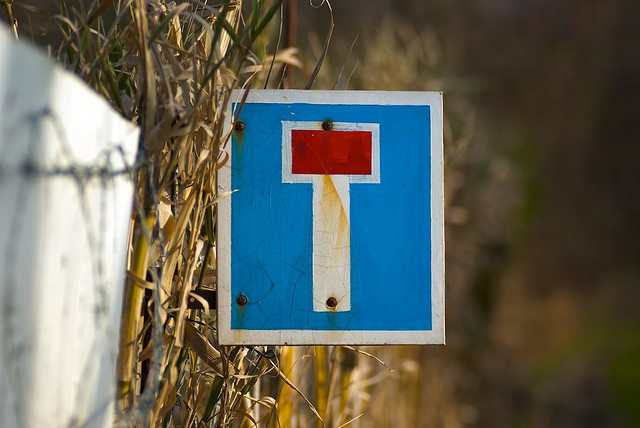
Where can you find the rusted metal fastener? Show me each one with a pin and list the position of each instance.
(239, 125)
(332, 302)
(242, 300)
(327, 125)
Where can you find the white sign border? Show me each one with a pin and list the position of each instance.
(229, 336)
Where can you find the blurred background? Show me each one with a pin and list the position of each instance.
(543, 255)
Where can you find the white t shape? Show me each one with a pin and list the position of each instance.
(331, 259)
(331, 243)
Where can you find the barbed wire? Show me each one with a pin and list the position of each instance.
(107, 167)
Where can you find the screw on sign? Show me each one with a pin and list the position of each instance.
(335, 212)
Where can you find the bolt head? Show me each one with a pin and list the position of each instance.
(242, 300)
(332, 302)
(327, 125)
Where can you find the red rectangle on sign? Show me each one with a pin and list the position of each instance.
(330, 152)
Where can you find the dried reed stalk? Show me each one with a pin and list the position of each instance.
(170, 67)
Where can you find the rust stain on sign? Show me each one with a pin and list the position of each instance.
(332, 203)
(332, 240)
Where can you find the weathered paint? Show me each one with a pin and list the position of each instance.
(331, 243)
(393, 222)
(356, 144)
(63, 243)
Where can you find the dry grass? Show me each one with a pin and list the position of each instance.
(170, 68)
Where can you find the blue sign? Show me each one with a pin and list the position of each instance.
(330, 220)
